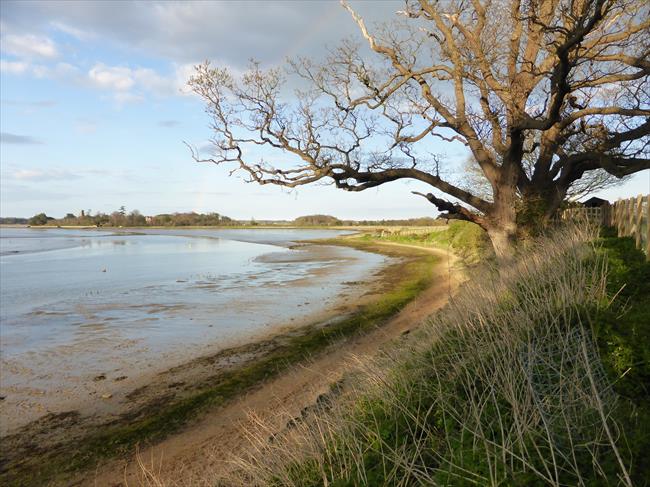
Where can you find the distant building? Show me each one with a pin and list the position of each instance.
(595, 202)
(148, 219)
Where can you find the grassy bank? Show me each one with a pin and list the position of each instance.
(534, 377)
(464, 239)
(27, 462)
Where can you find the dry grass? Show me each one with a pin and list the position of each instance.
(503, 387)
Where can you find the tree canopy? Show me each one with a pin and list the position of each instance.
(317, 220)
(40, 219)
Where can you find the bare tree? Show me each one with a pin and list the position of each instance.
(562, 84)
(472, 179)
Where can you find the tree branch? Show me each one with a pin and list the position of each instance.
(454, 211)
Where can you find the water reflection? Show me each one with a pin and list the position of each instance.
(80, 303)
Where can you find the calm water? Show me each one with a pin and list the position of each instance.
(76, 303)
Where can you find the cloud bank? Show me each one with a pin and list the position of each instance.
(8, 138)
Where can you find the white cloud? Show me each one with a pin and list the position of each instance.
(122, 97)
(82, 35)
(174, 84)
(152, 82)
(111, 77)
(14, 67)
(130, 85)
(42, 175)
(64, 71)
(40, 71)
(30, 104)
(127, 84)
(37, 174)
(86, 126)
(183, 72)
(29, 46)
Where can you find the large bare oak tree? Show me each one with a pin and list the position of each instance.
(539, 92)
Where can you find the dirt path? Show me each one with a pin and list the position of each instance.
(188, 457)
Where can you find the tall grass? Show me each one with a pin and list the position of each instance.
(505, 386)
(465, 239)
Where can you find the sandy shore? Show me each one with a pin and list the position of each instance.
(200, 454)
(38, 420)
(35, 392)
(206, 444)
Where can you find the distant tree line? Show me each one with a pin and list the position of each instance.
(191, 219)
(121, 218)
(10, 220)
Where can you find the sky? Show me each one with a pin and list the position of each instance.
(95, 111)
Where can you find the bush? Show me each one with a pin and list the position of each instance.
(40, 219)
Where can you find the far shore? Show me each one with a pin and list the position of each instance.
(440, 224)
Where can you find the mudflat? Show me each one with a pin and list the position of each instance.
(89, 316)
(204, 453)
(149, 407)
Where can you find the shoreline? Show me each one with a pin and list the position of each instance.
(208, 451)
(182, 393)
(352, 228)
(104, 390)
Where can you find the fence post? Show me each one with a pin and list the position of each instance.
(647, 228)
(638, 222)
(621, 223)
(633, 218)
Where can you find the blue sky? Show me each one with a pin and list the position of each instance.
(94, 108)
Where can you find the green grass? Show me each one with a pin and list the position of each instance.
(539, 377)
(404, 282)
(465, 239)
(622, 331)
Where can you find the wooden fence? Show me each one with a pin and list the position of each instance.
(630, 217)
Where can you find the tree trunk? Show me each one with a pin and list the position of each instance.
(501, 222)
(503, 238)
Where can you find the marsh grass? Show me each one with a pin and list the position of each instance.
(505, 387)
